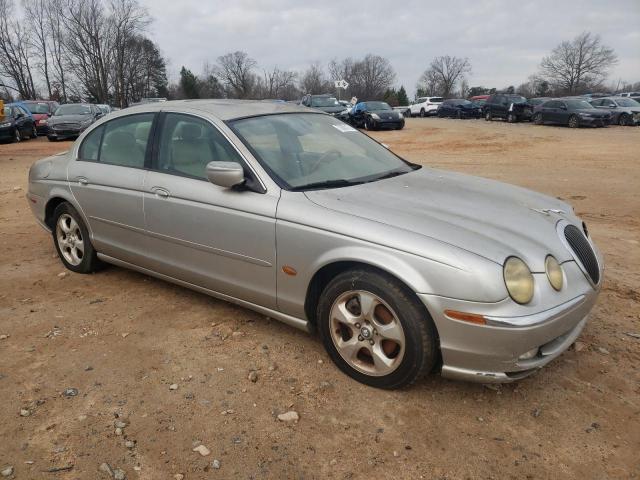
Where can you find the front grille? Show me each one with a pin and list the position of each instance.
(582, 251)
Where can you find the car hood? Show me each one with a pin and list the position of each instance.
(336, 109)
(486, 217)
(69, 118)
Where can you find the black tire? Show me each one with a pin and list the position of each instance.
(537, 119)
(574, 121)
(487, 116)
(17, 136)
(624, 120)
(459, 115)
(423, 113)
(90, 261)
(512, 118)
(34, 132)
(421, 340)
(52, 139)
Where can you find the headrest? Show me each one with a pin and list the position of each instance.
(122, 139)
(191, 131)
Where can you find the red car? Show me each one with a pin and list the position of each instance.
(41, 110)
(479, 99)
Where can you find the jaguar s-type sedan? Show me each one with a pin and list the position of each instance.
(399, 268)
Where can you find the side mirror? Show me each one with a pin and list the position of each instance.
(225, 174)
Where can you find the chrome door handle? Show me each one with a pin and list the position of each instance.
(160, 192)
(83, 180)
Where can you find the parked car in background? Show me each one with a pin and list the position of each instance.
(327, 104)
(405, 110)
(623, 110)
(16, 124)
(628, 94)
(70, 120)
(534, 102)
(513, 108)
(479, 100)
(573, 112)
(376, 116)
(41, 110)
(425, 106)
(105, 109)
(459, 108)
(399, 268)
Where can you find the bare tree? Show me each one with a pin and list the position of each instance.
(371, 77)
(314, 80)
(16, 51)
(89, 43)
(127, 20)
(236, 73)
(276, 83)
(56, 33)
(580, 64)
(36, 17)
(444, 73)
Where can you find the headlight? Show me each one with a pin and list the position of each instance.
(375, 116)
(554, 272)
(518, 279)
(5, 125)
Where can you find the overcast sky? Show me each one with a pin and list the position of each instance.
(504, 40)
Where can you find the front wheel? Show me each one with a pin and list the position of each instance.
(375, 329)
(512, 118)
(17, 136)
(488, 117)
(423, 113)
(34, 132)
(624, 120)
(71, 238)
(574, 121)
(537, 119)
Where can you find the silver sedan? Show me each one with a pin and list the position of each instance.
(399, 268)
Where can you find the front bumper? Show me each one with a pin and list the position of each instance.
(388, 124)
(7, 133)
(492, 353)
(594, 121)
(60, 134)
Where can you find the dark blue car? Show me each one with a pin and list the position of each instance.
(16, 124)
(459, 108)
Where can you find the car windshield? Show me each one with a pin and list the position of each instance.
(37, 107)
(324, 102)
(627, 102)
(516, 99)
(578, 104)
(304, 151)
(72, 110)
(378, 106)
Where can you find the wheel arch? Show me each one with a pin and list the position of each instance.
(56, 198)
(328, 271)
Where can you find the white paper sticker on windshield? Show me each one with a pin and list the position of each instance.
(344, 128)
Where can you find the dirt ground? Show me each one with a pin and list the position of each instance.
(122, 339)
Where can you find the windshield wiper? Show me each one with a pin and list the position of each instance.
(326, 184)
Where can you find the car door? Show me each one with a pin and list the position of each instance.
(562, 113)
(107, 180)
(217, 238)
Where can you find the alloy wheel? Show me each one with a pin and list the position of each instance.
(367, 333)
(573, 122)
(17, 136)
(70, 239)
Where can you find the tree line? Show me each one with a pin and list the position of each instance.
(80, 49)
(98, 51)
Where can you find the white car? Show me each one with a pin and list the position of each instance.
(425, 106)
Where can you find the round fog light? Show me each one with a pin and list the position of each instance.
(554, 272)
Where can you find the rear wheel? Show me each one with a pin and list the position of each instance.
(34, 132)
(624, 120)
(512, 118)
(17, 136)
(423, 113)
(488, 117)
(71, 238)
(574, 121)
(537, 119)
(375, 330)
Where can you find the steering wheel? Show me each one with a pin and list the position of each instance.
(332, 154)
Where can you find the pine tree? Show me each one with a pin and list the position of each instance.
(189, 84)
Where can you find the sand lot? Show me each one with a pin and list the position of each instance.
(122, 339)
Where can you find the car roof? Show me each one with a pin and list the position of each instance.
(221, 108)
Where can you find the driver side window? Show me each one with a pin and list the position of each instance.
(188, 144)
